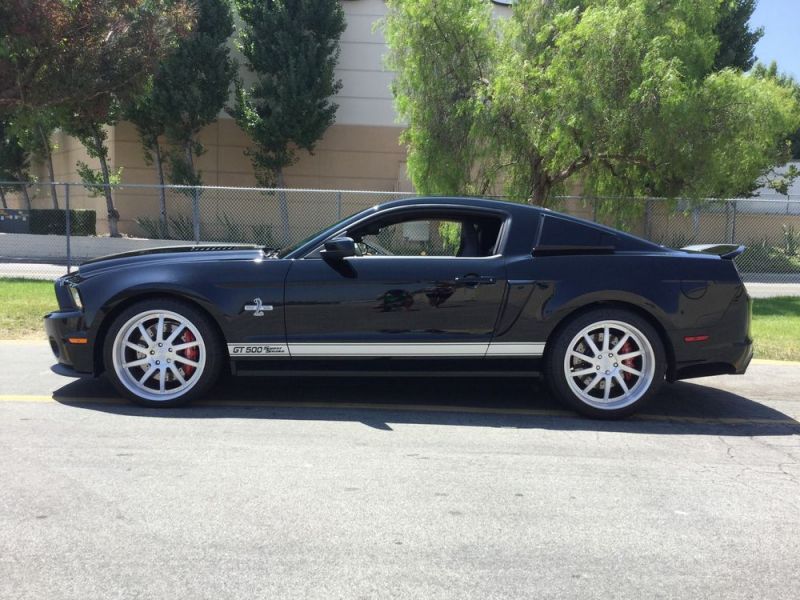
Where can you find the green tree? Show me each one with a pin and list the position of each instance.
(80, 59)
(782, 180)
(150, 125)
(35, 131)
(54, 52)
(292, 48)
(87, 122)
(617, 91)
(187, 93)
(444, 56)
(789, 82)
(737, 42)
(13, 164)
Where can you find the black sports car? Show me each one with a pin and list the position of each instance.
(437, 285)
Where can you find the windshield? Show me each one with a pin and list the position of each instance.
(314, 240)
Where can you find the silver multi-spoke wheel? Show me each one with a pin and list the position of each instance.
(159, 355)
(609, 365)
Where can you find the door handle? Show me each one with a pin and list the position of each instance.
(476, 280)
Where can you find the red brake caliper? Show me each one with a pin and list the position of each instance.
(628, 362)
(190, 353)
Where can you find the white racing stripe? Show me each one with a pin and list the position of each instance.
(379, 349)
(382, 349)
(515, 349)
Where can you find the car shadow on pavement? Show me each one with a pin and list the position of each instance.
(680, 408)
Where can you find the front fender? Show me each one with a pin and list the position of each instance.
(220, 289)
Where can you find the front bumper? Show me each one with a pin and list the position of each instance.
(60, 327)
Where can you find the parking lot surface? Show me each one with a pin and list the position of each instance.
(396, 488)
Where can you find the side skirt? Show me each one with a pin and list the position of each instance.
(404, 374)
(390, 367)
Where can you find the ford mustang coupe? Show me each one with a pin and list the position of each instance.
(416, 286)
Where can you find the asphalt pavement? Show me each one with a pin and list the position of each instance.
(396, 488)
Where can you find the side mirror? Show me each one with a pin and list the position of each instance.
(339, 248)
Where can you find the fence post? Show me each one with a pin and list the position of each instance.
(728, 237)
(733, 226)
(196, 215)
(339, 205)
(67, 227)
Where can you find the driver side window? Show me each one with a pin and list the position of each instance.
(426, 233)
(417, 237)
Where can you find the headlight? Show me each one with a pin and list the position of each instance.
(76, 297)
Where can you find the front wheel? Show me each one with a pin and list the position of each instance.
(606, 363)
(162, 352)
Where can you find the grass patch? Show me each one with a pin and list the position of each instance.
(23, 303)
(776, 328)
(776, 321)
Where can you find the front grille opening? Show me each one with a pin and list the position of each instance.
(54, 347)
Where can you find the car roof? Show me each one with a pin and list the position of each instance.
(465, 201)
(515, 208)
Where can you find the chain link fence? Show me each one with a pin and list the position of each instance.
(45, 229)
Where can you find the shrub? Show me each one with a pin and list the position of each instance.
(760, 257)
(152, 228)
(178, 228)
(224, 230)
(53, 221)
(791, 240)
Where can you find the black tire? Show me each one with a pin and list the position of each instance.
(211, 351)
(641, 391)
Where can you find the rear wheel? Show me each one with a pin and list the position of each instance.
(606, 363)
(162, 352)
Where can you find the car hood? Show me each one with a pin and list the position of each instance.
(173, 254)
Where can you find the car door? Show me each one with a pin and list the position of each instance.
(407, 293)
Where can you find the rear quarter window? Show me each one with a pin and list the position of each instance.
(561, 232)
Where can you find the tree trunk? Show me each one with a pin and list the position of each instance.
(648, 219)
(24, 189)
(195, 194)
(283, 205)
(113, 215)
(3, 197)
(162, 195)
(48, 159)
(540, 192)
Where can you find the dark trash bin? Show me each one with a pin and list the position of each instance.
(14, 221)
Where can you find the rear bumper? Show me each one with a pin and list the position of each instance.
(728, 350)
(732, 361)
(60, 327)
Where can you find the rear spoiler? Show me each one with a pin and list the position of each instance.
(726, 251)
